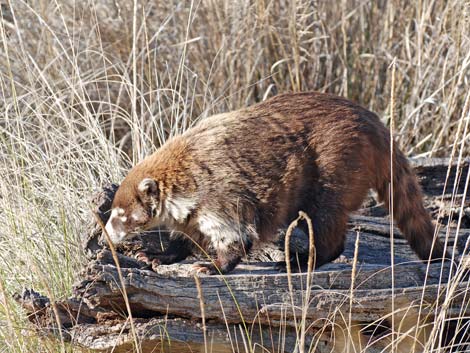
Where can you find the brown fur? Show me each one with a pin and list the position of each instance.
(255, 168)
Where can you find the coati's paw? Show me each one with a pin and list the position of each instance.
(156, 260)
(152, 261)
(281, 266)
(155, 263)
(208, 269)
(142, 256)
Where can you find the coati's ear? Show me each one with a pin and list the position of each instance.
(148, 187)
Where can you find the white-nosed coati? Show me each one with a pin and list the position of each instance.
(236, 178)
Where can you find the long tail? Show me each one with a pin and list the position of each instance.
(408, 210)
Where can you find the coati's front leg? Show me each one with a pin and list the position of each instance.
(229, 238)
(227, 258)
(178, 249)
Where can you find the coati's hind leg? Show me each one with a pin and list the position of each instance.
(329, 241)
(329, 232)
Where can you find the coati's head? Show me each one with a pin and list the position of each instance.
(135, 208)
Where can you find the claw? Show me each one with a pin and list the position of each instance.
(155, 263)
(142, 257)
(205, 269)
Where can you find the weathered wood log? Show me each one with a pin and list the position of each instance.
(256, 289)
(437, 178)
(254, 303)
(263, 295)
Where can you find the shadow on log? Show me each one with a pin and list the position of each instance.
(253, 306)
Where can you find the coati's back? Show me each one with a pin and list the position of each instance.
(253, 169)
(284, 154)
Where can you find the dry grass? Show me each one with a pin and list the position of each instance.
(88, 88)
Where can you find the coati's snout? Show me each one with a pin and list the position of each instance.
(132, 212)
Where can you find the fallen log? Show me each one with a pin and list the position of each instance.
(254, 305)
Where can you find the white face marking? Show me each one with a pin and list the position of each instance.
(179, 208)
(117, 212)
(115, 227)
